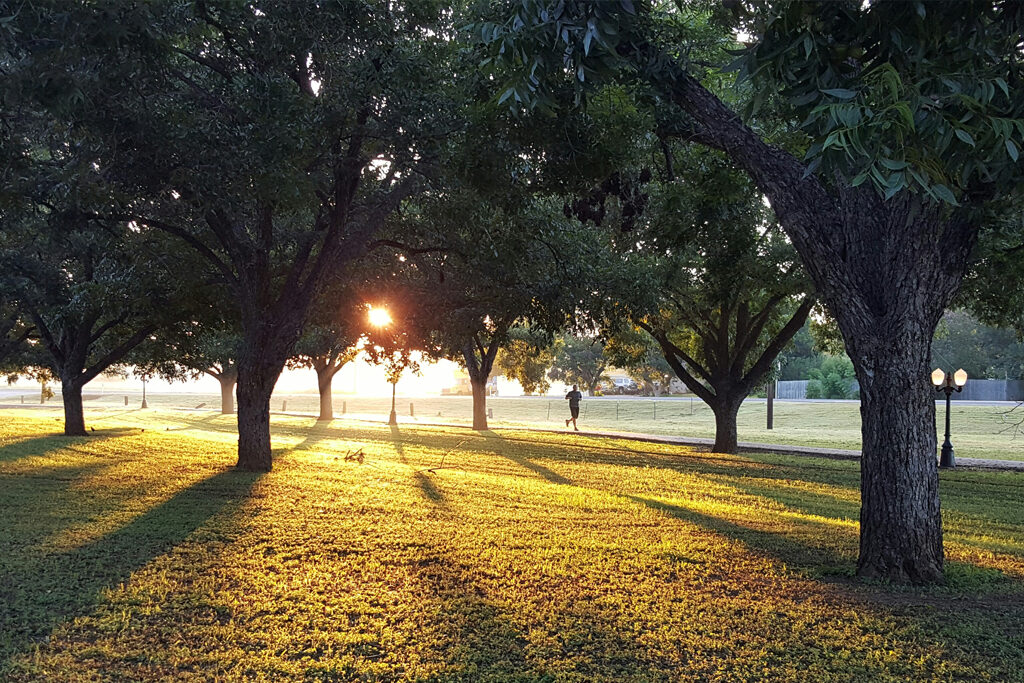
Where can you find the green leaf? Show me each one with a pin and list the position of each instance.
(945, 194)
(965, 136)
(893, 164)
(811, 167)
(1002, 86)
(841, 93)
(1011, 149)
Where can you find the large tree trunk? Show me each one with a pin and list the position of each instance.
(907, 267)
(255, 385)
(74, 414)
(886, 270)
(900, 524)
(324, 379)
(479, 403)
(227, 380)
(726, 433)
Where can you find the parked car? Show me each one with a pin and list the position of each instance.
(622, 385)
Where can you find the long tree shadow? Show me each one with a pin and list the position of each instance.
(497, 445)
(818, 503)
(37, 596)
(429, 489)
(48, 443)
(777, 545)
(317, 432)
(677, 458)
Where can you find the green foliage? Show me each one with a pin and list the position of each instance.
(526, 358)
(579, 360)
(983, 351)
(993, 289)
(833, 379)
(924, 96)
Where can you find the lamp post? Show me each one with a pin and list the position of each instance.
(393, 419)
(948, 383)
(144, 405)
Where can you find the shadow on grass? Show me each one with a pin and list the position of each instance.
(497, 445)
(48, 443)
(483, 634)
(316, 433)
(204, 423)
(427, 487)
(816, 503)
(37, 596)
(777, 545)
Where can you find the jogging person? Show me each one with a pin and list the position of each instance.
(573, 397)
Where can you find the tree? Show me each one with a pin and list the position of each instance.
(722, 292)
(14, 339)
(274, 143)
(395, 345)
(326, 349)
(912, 115)
(800, 357)
(579, 360)
(527, 358)
(94, 296)
(193, 347)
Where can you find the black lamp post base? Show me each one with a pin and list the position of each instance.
(946, 459)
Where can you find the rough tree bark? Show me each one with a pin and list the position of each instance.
(256, 380)
(74, 413)
(227, 394)
(328, 365)
(726, 432)
(886, 270)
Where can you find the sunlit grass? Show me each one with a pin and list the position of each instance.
(140, 555)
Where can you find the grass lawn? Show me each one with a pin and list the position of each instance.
(137, 554)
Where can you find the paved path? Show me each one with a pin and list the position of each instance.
(754, 447)
(748, 446)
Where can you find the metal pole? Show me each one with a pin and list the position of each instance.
(655, 410)
(393, 418)
(946, 458)
(770, 393)
(144, 394)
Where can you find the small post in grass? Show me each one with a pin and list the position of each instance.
(769, 392)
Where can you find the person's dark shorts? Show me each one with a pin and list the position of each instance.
(574, 411)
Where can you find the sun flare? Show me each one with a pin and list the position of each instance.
(379, 317)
